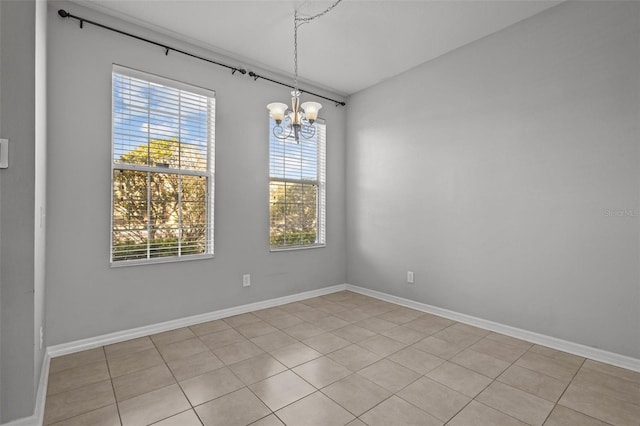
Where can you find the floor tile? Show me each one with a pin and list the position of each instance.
(258, 368)
(266, 313)
(128, 347)
(477, 414)
(498, 350)
(128, 363)
(606, 384)
(440, 348)
(371, 349)
(255, 329)
(461, 336)
(612, 370)
(326, 342)
(310, 315)
(222, 338)
(428, 324)
(401, 315)
(270, 420)
(535, 383)
(303, 331)
(281, 390)
(314, 302)
(559, 355)
(404, 334)
(172, 336)
(142, 381)
(273, 341)
(558, 369)
(480, 363)
(181, 349)
(434, 398)
(295, 307)
(377, 325)
(284, 321)
(295, 354)
(459, 378)
(356, 394)
(194, 365)
(331, 308)
(381, 345)
(563, 416)
(601, 406)
(330, 323)
(153, 406)
(210, 385)
(242, 319)
(238, 408)
(105, 416)
(77, 359)
(77, 377)
(417, 360)
(186, 418)
(396, 411)
(237, 352)
(354, 357)
(351, 315)
(353, 333)
(78, 401)
(209, 327)
(389, 375)
(321, 372)
(315, 410)
(516, 403)
(510, 341)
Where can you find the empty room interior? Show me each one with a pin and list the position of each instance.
(319, 212)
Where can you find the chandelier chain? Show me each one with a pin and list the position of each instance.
(324, 12)
(297, 21)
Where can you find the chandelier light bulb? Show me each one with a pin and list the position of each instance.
(277, 111)
(311, 110)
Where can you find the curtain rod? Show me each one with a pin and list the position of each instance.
(64, 14)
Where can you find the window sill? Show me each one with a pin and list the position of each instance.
(125, 263)
(293, 248)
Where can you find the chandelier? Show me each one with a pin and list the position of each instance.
(297, 121)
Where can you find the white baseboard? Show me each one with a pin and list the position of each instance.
(37, 418)
(121, 336)
(540, 339)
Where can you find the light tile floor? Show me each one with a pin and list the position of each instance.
(338, 359)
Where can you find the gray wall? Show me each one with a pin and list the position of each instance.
(85, 297)
(492, 172)
(18, 191)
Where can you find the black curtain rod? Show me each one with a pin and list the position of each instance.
(64, 14)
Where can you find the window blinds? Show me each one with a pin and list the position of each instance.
(163, 167)
(297, 189)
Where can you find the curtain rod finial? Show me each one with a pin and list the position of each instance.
(63, 13)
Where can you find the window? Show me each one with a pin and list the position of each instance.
(297, 190)
(162, 169)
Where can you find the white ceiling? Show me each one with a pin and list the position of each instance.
(356, 45)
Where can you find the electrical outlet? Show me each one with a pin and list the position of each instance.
(246, 280)
(410, 277)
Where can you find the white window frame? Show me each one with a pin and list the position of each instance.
(320, 181)
(209, 173)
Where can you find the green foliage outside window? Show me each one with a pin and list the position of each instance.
(158, 214)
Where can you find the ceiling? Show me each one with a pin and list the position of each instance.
(356, 45)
